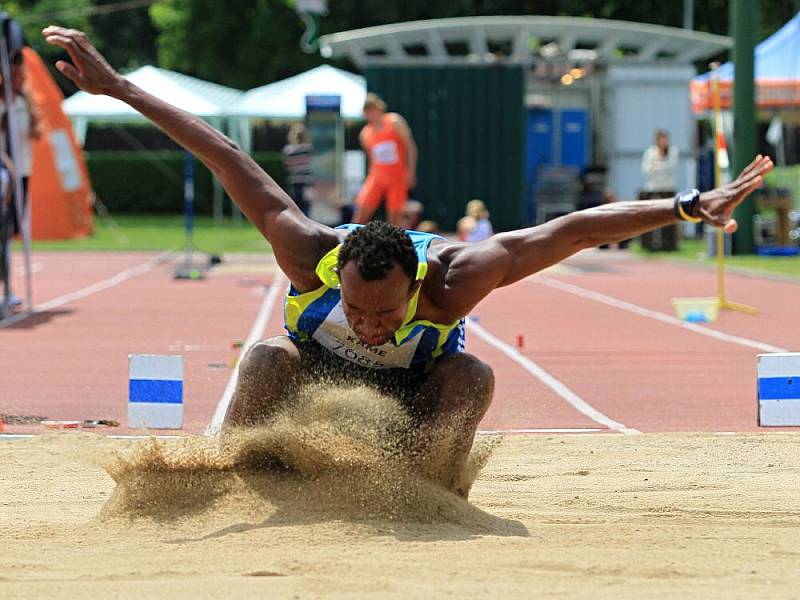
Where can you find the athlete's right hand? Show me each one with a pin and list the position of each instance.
(89, 71)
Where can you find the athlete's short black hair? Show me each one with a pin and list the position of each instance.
(375, 248)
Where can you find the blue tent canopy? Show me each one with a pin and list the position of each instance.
(777, 57)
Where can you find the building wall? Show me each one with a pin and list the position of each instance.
(469, 125)
(639, 100)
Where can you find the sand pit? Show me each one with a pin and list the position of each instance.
(331, 451)
(590, 516)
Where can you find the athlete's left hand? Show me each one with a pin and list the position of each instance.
(716, 206)
(89, 69)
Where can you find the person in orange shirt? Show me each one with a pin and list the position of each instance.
(387, 140)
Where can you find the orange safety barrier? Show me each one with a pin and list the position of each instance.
(60, 191)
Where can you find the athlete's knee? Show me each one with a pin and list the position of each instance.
(463, 364)
(474, 378)
(479, 375)
(267, 373)
(273, 356)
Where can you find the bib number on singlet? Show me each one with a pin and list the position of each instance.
(336, 336)
(385, 153)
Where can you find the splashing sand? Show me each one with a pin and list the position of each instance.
(332, 453)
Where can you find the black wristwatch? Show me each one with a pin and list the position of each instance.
(685, 204)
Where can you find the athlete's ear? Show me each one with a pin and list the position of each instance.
(415, 285)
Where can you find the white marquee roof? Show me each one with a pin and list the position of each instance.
(201, 98)
(286, 99)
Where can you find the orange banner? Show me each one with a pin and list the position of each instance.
(770, 93)
(60, 192)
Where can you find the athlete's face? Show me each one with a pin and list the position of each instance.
(373, 115)
(375, 309)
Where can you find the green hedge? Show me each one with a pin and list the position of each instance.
(151, 182)
(786, 177)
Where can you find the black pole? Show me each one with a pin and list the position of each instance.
(744, 15)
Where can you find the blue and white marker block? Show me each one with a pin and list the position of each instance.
(779, 389)
(155, 391)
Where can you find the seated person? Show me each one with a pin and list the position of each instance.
(475, 226)
(411, 214)
(428, 226)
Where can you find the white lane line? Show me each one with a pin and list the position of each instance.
(547, 379)
(555, 431)
(19, 269)
(653, 314)
(544, 430)
(100, 286)
(256, 332)
(28, 436)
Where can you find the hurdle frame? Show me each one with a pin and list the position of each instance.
(719, 130)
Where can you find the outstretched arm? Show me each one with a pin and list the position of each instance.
(404, 131)
(298, 242)
(474, 270)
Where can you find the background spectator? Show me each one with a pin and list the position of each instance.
(475, 226)
(28, 128)
(298, 164)
(658, 165)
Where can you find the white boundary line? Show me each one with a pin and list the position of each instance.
(547, 379)
(653, 314)
(256, 332)
(543, 430)
(28, 436)
(36, 267)
(100, 286)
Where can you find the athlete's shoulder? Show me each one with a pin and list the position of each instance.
(439, 256)
(396, 119)
(442, 300)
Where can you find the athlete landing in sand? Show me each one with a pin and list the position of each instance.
(379, 305)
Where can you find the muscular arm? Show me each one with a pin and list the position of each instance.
(474, 270)
(404, 131)
(298, 242)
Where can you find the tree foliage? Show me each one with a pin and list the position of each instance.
(242, 44)
(33, 15)
(246, 43)
(126, 37)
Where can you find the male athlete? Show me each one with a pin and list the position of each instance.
(379, 305)
(387, 140)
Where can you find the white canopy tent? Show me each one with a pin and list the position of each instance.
(204, 99)
(285, 100)
(201, 98)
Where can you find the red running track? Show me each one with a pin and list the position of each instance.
(620, 367)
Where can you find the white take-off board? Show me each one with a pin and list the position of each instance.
(155, 391)
(779, 389)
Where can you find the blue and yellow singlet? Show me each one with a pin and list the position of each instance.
(318, 316)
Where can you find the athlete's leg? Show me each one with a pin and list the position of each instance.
(450, 405)
(269, 375)
(396, 198)
(367, 201)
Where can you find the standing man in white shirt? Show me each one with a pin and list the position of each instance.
(658, 165)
